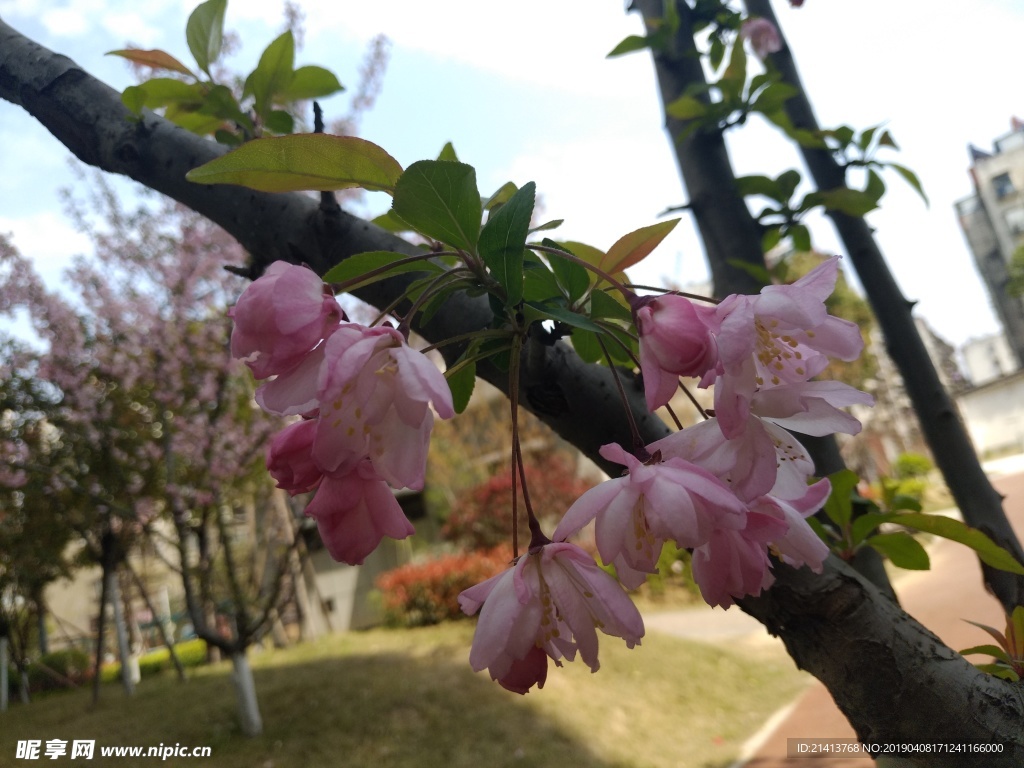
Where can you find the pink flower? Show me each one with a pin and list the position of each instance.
(800, 545)
(550, 604)
(280, 317)
(763, 36)
(734, 562)
(375, 394)
(354, 511)
(784, 335)
(635, 514)
(675, 340)
(748, 464)
(290, 458)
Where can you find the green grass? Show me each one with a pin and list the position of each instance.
(397, 699)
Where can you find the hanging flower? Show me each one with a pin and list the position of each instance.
(550, 604)
(654, 503)
(280, 317)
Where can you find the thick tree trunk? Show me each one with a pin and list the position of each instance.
(813, 614)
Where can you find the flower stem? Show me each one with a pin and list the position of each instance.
(638, 442)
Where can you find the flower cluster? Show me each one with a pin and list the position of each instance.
(735, 487)
(367, 402)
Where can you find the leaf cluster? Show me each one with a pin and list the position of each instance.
(857, 522)
(206, 107)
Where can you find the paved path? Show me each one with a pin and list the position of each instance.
(940, 599)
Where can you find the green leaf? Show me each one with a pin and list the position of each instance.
(760, 185)
(911, 178)
(547, 225)
(686, 108)
(205, 32)
(875, 187)
(629, 45)
(769, 240)
(587, 346)
(988, 650)
(865, 524)
(391, 222)
(503, 240)
(461, 380)
(633, 248)
(574, 279)
(313, 161)
(155, 59)
(839, 506)
(735, 76)
(886, 140)
(502, 196)
(605, 306)
(865, 138)
(161, 92)
(279, 121)
(220, 102)
(440, 200)
(553, 310)
(988, 551)
(788, 182)
(191, 119)
(361, 263)
(800, 236)
(311, 82)
(274, 74)
(773, 97)
(448, 153)
(852, 202)
(902, 549)
(716, 53)
(539, 282)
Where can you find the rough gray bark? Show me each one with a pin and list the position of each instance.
(945, 433)
(813, 614)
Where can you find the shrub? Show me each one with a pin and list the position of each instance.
(192, 653)
(66, 668)
(911, 465)
(427, 592)
(482, 518)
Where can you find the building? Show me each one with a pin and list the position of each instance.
(992, 220)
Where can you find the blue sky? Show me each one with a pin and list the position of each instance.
(524, 93)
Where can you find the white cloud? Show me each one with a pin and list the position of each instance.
(132, 26)
(49, 240)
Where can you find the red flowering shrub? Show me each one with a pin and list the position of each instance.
(482, 518)
(427, 592)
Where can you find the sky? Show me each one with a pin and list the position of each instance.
(524, 92)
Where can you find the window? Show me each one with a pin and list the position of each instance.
(1002, 185)
(1015, 221)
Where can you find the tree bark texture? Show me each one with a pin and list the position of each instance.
(875, 659)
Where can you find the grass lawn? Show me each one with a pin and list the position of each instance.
(402, 698)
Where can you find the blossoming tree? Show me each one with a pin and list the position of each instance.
(560, 329)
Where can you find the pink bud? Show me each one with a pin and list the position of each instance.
(763, 36)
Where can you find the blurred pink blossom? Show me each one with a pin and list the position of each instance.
(763, 36)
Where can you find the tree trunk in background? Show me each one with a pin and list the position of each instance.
(245, 691)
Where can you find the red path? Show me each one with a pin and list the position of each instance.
(940, 599)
